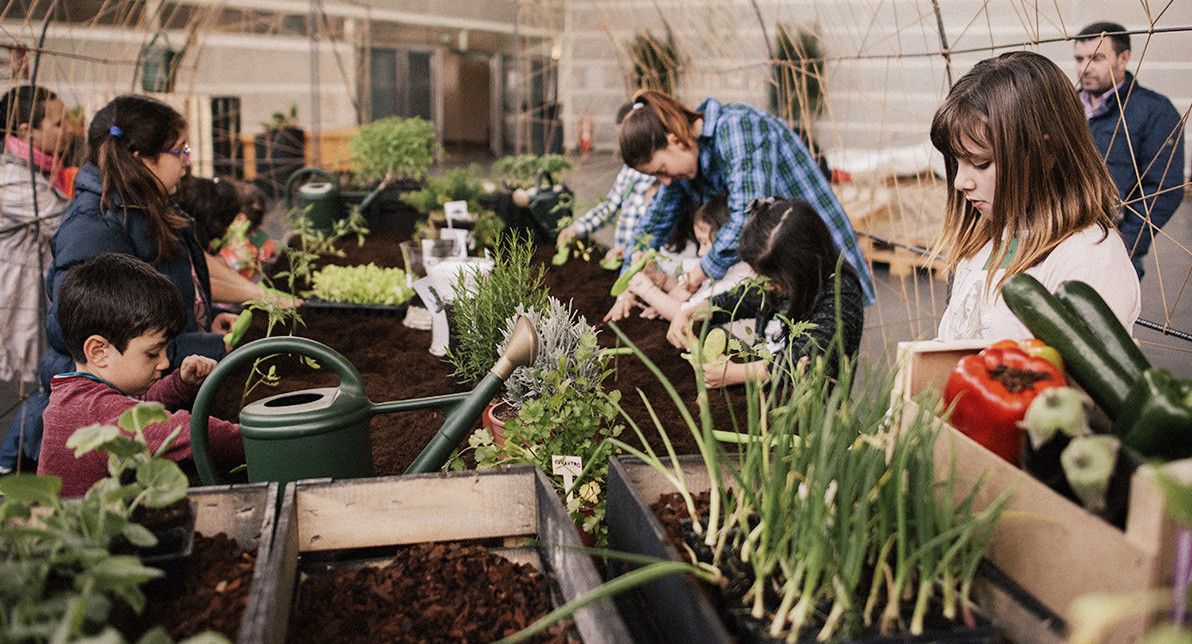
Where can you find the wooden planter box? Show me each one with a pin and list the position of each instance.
(517, 504)
(246, 514)
(1047, 545)
(674, 608)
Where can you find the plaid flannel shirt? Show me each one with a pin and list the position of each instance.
(748, 154)
(629, 195)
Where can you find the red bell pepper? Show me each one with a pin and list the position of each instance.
(992, 390)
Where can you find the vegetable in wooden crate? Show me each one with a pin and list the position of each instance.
(1151, 409)
(991, 391)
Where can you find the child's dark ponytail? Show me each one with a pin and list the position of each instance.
(24, 104)
(147, 127)
(786, 241)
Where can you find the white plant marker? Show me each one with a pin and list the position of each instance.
(569, 467)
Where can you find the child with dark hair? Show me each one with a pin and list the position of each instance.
(212, 203)
(706, 221)
(788, 243)
(118, 314)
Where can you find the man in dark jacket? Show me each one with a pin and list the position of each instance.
(1138, 132)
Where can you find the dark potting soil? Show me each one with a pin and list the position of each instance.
(208, 592)
(431, 592)
(671, 511)
(394, 363)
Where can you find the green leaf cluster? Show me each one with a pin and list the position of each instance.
(401, 146)
(482, 309)
(59, 577)
(521, 170)
(459, 184)
(367, 284)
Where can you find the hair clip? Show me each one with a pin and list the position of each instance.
(116, 131)
(760, 202)
(638, 105)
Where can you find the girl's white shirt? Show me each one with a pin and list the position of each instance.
(974, 313)
(736, 274)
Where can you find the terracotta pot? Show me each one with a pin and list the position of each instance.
(495, 425)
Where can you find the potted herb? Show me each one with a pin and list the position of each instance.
(480, 310)
(77, 568)
(459, 184)
(829, 522)
(559, 414)
(401, 148)
(280, 150)
(519, 176)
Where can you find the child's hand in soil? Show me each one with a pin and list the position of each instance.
(614, 254)
(621, 308)
(195, 369)
(650, 313)
(722, 373)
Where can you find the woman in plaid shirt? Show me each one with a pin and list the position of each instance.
(631, 194)
(730, 149)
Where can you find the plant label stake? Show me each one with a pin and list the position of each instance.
(569, 467)
(323, 432)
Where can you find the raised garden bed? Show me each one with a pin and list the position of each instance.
(447, 528)
(643, 519)
(395, 364)
(1045, 544)
(219, 587)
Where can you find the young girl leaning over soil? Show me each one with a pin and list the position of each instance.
(708, 219)
(786, 242)
(1030, 195)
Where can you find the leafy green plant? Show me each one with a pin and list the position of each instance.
(487, 228)
(459, 184)
(403, 147)
(59, 577)
(562, 410)
(367, 284)
(829, 504)
(282, 120)
(655, 62)
(521, 170)
(796, 92)
(482, 309)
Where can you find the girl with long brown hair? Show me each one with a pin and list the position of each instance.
(1030, 195)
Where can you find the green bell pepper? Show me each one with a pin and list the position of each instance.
(1156, 419)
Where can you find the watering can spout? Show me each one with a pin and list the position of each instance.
(520, 351)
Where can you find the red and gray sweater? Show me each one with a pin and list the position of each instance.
(78, 401)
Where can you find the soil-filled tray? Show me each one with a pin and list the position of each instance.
(315, 304)
(217, 587)
(680, 609)
(438, 535)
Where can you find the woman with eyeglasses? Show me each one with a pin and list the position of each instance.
(124, 203)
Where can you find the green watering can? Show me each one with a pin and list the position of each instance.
(323, 432)
(321, 201)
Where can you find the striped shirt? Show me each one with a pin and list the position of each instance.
(630, 195)
(748, 154)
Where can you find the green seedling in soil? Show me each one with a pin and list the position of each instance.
(61, 576)
(622, 283)
(610, 263)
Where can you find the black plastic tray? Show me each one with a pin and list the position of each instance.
(323, 306)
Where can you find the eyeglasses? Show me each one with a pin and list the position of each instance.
(182, 152)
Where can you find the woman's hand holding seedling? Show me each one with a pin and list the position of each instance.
(679, 334)
(195, 369)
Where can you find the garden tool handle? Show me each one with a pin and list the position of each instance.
(301, 173)
(349, 383)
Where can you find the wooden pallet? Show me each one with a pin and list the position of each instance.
(906, 211)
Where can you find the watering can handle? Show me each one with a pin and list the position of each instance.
(349, 382)
(301, 173)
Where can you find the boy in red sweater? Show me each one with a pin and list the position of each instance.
(118, 315)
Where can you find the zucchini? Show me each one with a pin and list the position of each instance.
(1059, 326)
(1105, 327)
(239, 328)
